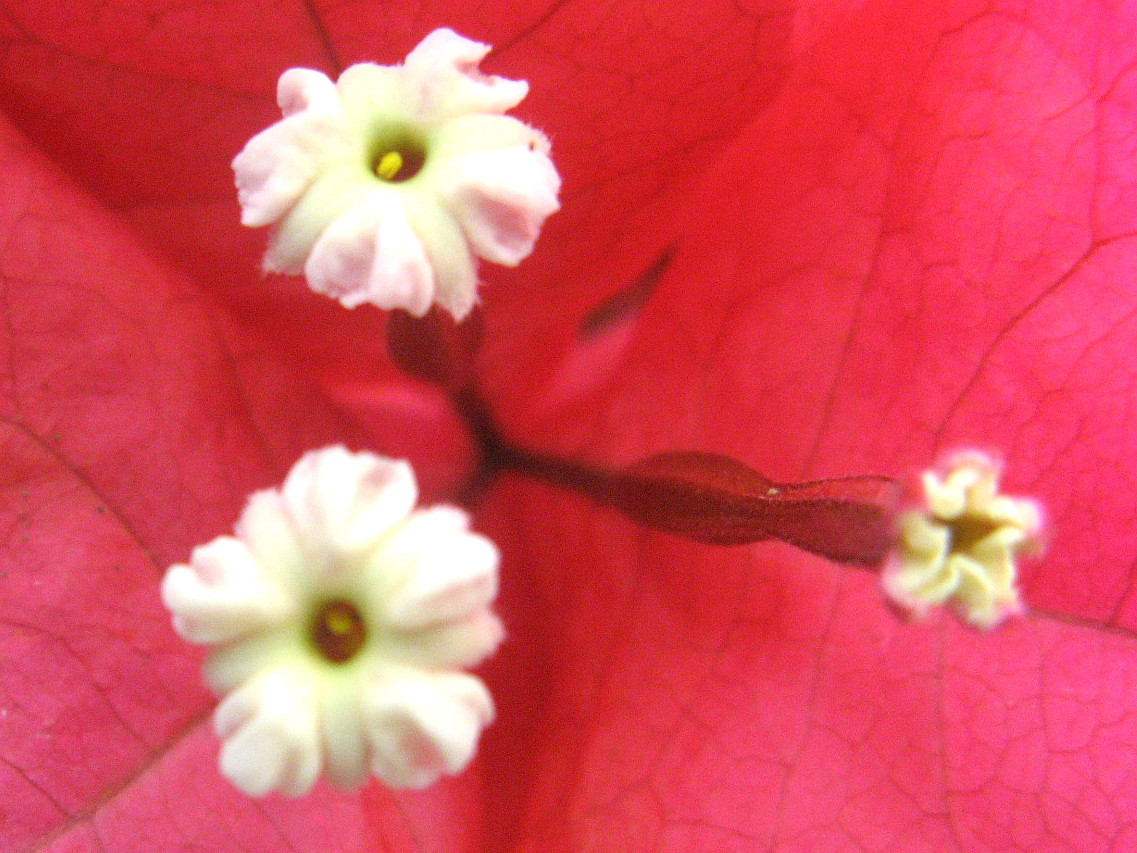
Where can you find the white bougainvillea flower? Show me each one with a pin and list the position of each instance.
(340, 621)
(384, 185)
(962, 545)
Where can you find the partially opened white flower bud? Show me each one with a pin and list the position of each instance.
(961, 548)
(340, 620)
(384, 186)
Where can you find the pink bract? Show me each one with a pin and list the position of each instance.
(901, 229)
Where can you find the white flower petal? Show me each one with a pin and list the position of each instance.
(455, 271)
(342, 731)
(222, 594)
(267, 530)
(466, 134)
(334, 191)
(1017, 513)
(987, 594)
(269, 729)
(449, 572)
(945, 499)
(342, 503)
(302, 89)
(422, 726)
(232, 664)
(924, 539)
(502, 199)
(937, 588)
(443, 70)
(370, 254)
(458, 644)
(369, 91)
(279, 164)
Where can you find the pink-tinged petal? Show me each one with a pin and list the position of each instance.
(341, 503)
(422, 726)
(443, 69)
(345, 205)
(454, 266)
(502, 198)
(269, 729)
(457, 644)
(278, 165)
(222, 594)
(266, 527)
(447, 572)
(303, 89)
(371, 255)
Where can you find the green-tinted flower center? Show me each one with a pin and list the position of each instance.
(337, 630)
(969, 530)
(397, 155)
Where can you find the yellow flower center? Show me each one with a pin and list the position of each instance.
(338, 631)
(397, 153)
(390, 164)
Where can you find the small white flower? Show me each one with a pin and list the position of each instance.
(384, 185)
(340, 621)
(962, 546)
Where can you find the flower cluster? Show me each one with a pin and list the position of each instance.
(339, 620)
(384, 185)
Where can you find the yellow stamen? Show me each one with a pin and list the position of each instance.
(338, 631)
(339, 622)
(390, 164)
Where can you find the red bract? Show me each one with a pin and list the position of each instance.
(916, 239)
